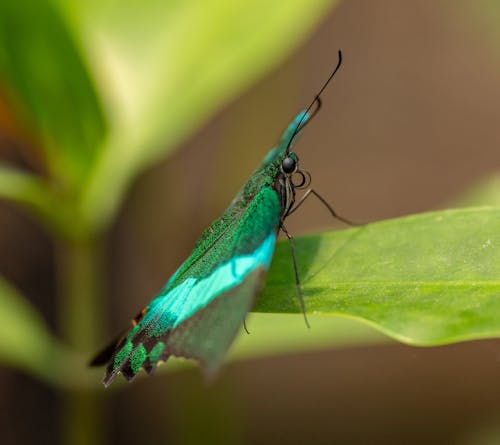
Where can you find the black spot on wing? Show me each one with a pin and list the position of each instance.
(127, 371)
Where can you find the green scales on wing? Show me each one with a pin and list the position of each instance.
(202, 307)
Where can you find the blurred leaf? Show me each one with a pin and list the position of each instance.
(484, 193)
(272, 334)
(158, 69)
(164, 66)
(33, 193)
(426, 279)
(485, 432)
(484, 14)
(43, 72)
(25, 341)
(280, 334)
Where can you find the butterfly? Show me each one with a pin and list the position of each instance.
(200, 310)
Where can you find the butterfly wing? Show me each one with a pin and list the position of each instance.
(200, 310)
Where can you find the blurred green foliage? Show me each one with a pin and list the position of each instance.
(25, 341)
(485, 192)
(47, 81)
(107, 90)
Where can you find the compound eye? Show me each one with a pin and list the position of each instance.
(288, 165)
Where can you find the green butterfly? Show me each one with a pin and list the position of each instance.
(200, 310)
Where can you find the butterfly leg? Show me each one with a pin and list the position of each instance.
(245, 326)
(325, 203)
(296, 271)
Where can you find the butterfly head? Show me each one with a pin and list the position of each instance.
(297, 177)
(290, 164)
(290, 178)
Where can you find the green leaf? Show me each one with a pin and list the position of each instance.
(426, 279)
(46, 79)
(25, 341)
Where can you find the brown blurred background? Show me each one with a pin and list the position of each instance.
(408, 125)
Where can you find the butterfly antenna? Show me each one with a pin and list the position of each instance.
(316, 101)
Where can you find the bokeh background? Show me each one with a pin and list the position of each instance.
(409, 124)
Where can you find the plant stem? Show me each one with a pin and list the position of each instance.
(80, 320)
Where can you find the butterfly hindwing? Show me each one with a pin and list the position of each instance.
(207, 335)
